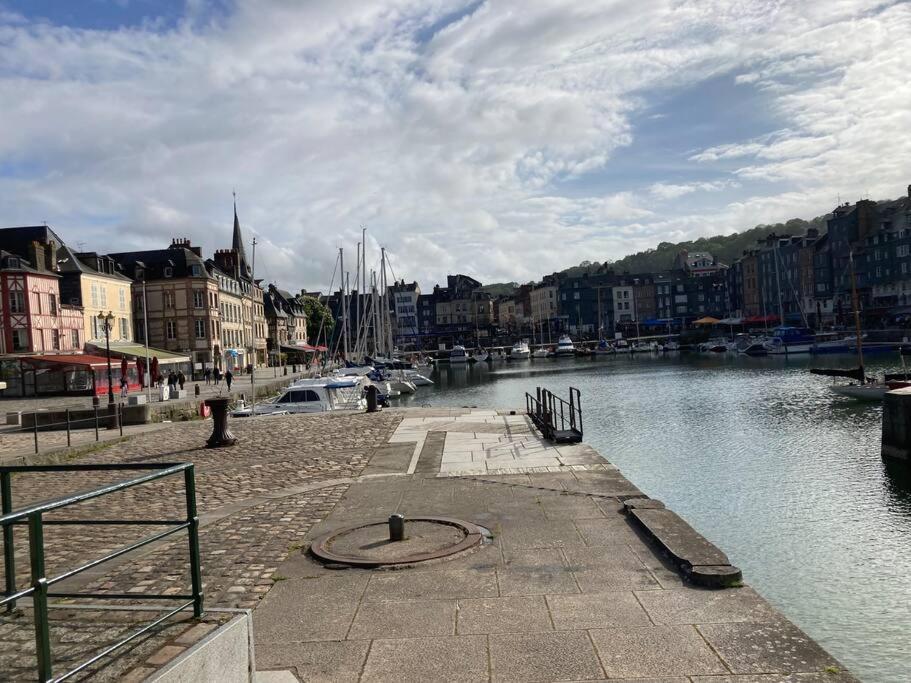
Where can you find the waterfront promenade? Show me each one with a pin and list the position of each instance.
(566, 589)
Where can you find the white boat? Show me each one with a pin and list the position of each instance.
(520, 351)
(313, 395)
(642, 347)
(417, 379)
(480, 356)
(790, 340)
(540, 353)
(622, 346)
(565, 346)
(874, 391)
(402, 385)
(458, 354)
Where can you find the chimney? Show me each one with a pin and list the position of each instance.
(36, 255)
(195, 250)
(51, 255)
(909, 191)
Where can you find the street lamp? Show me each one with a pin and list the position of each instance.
(106, 322)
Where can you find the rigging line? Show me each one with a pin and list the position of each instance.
(322, 322)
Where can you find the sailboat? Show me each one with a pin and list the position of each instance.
(864, 388)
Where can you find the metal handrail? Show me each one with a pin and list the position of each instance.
(552, 414)
(112, 421)
(40, 582)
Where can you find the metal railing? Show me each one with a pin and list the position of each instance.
(39, 590)
(98, 420)
(556, 418)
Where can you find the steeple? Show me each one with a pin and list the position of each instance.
(237, 245)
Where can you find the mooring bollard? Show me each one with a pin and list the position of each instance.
(196, 389)
(221, 435)
(372, 399)
(396, 528)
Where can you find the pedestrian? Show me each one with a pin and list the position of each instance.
(217, 375)
(124, 386)
(172, 379)
(181, 379)
(229, 377)
(208, 375)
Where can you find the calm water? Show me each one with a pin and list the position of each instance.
(762, 459)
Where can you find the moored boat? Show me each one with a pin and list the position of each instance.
(520, 351)
(458, 354)
(565, 346)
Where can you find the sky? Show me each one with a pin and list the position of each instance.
(501, 139)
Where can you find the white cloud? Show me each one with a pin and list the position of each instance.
(475, 149)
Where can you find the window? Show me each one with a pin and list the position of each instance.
(124, 329)
(904, 268)
(53, 299)
(196, 271)
(96, 329)
(168, 271)
(168, 299)
(20, 340)
(879, 272)
(94, 295)
(200, 329)
(199, 298)
(16, 302)
(171, 329)
(902, 250)
(123, 299)
(576, 296)
(74, 338)
(104, 296)
(55, 339)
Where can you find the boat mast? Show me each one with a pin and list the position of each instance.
(854, 303)
(600, 324)
(344, 290)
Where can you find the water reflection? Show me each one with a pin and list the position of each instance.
(764, 460)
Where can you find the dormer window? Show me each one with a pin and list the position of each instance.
(168, 271)
(140, 273)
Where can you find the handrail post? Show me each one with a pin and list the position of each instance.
(9, 554)
(120, 417)
(35, 428)
(68, 442)
(193, 538)
(96, 423)
(39, 597)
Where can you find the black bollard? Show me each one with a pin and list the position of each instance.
(221, 435)
(372, 398)
(196, 389)
(396, 528)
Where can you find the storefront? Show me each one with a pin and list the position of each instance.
(75, 374)
(136, 354)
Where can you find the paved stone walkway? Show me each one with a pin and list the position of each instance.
(256, 502)
(567, 590)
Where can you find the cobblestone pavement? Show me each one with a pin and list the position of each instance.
(14, 444)
(256, 502)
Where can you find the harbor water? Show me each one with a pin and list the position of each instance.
(759, 456)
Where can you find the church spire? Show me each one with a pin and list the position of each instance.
(237, 244)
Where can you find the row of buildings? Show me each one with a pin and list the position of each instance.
(789, 279)
(60, 309)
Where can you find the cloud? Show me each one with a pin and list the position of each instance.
(672, 191)
(467, 136)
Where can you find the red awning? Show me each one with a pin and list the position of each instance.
(304, 347)
(759, 320)
(69, 359)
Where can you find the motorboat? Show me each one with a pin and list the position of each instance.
(541, 352)
(520, 351)
(790, 340)
(714, 346)
(479, 356)
(313, 395)
(458, 354)
(642, 347)
(869, 391)
(623, 346)
(833, 344)
(565, 346)
(398, 382)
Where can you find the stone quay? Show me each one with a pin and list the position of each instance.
(572, 573)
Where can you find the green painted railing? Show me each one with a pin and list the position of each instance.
(39, 589)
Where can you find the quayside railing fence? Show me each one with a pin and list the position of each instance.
(33, 516)
(557, 419)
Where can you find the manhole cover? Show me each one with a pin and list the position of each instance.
(426, 538)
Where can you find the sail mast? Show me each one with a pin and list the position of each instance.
(854, 303)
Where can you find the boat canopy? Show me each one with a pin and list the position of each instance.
(731, 321)
(707, 320)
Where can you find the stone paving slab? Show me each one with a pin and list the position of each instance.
(567, 588)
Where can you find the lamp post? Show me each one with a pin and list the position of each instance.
(106, 322)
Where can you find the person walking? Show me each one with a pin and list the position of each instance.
(217, 374)
(229, 377)
(208, 375)
(124, 387)
(181, 379)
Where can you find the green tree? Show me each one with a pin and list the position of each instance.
(320, 321)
